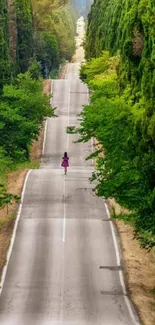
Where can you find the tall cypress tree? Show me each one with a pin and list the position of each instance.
(4, 44)
(24, 33)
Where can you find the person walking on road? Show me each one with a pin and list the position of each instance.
(65, 162)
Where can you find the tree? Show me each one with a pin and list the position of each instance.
(46, 52)
(22, 110)
(24, 33)
(125, 132)
(5, 70)
(54, 32)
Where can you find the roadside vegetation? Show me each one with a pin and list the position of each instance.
(36, 37)
(120, 73)
(38, 33)
(23, 109)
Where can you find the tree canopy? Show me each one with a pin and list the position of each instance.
(120, 73)
(35, 37)
(35, 30)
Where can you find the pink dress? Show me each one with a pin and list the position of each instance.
(65, 162)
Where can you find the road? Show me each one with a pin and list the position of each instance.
(65, 267)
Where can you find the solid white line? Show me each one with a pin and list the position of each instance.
(46, 124)
(131, 311)
(45, 135)
(69, 97)
(64, 219)
(13, 235)
(113, 236)
(67, 71)
(92, 141)
(127, 300)
(115, 244)
(61, 317)
(64, 184)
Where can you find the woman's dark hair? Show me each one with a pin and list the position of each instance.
(65, 154)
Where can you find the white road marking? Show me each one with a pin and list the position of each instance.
(113, 236)
(127, 300)
(92, 140)
(69, 97)
(64, 218)
(45, 135)
(64, 184)
(13, 235)
(46, 124)
(62, 283)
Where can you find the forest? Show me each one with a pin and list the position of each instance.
(35, 38)
(120, 73)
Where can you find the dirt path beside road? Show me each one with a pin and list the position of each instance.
(139, 269)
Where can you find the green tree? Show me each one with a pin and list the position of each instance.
(24, 21)
(46, 52)
(22, 110)
(5, 70)
(54, 33)
(126, 159)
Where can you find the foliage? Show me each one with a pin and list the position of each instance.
(24, 25)
(121, 113)
(53, 33)
(6, 164)
(22, 110)
(128, 28)
(30, 29)
(35, 30)
(4, 44)
(7, 198)
(35, 36)
(46, 52)
(64, 29)
(71, 129)
(35, 69)
(126, 167)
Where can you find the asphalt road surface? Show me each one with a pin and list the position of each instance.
(64, 267)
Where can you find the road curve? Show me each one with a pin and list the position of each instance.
(64, 267)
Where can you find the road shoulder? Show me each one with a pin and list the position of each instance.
(139, 271)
